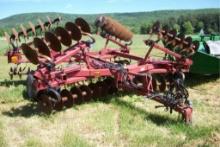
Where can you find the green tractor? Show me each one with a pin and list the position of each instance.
(206, 60)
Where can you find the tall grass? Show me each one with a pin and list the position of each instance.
(3, 142)
(69, 139)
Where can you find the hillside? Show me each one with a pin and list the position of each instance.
(133, 20)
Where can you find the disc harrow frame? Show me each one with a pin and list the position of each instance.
(95, 74)
(15, 57)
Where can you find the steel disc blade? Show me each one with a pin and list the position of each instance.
(86, 92)
(12, 37)
(75, 31)
(105, 87)
(41, 46)
(30, 53)
(156, 27)
(77, 95)
(165, 30)
(45, 104)
(96, 91)
(47, 24)
(100, 89)
(173, 34)
(196, 45)
(67, 98)
(54, 95)
(188, 41)
(53, 41)
(58, 106)
(55, 99)
(92, 88)
(56, 20)
(37, 27)
(181, 37)
(112, 87)
(84, 26)
(20, 34)
(65, 38)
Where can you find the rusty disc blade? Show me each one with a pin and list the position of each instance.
(75, 31)
(47, 24)
(58, 106)
(92, 88)
(196, 45)
(53, 41)
(188, 41)
(41, 46)
(67, 98)
(156, 27)
(21, 34)
(56, 20)
(173, 34)
(38, 27)
(165, 30)
(30, 53)
(86, 92)
(105, 88)
(100, 89)
(45, 104)
(112, 89)
(77, 95)
(96, 91)
(64, 36)
(84, 26)
(55, 99)
(12, 37)
(181, 37)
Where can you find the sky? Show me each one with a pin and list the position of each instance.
(11, 7)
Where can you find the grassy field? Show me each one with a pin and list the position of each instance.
(120, 120)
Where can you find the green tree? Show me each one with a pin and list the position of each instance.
(188, 28)
(143, 29)
(1, 32)
(176, 27)
(199, 26)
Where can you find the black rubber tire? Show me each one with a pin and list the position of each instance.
(31, 90)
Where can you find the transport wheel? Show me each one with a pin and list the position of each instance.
(31, 89)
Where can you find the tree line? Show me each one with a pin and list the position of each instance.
(190, 24)
(187, 21)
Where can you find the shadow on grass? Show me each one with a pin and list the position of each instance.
(8, 83)
(196, 79)
(25, 96)
(28, 110)
(153, 117)
(32, 109)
